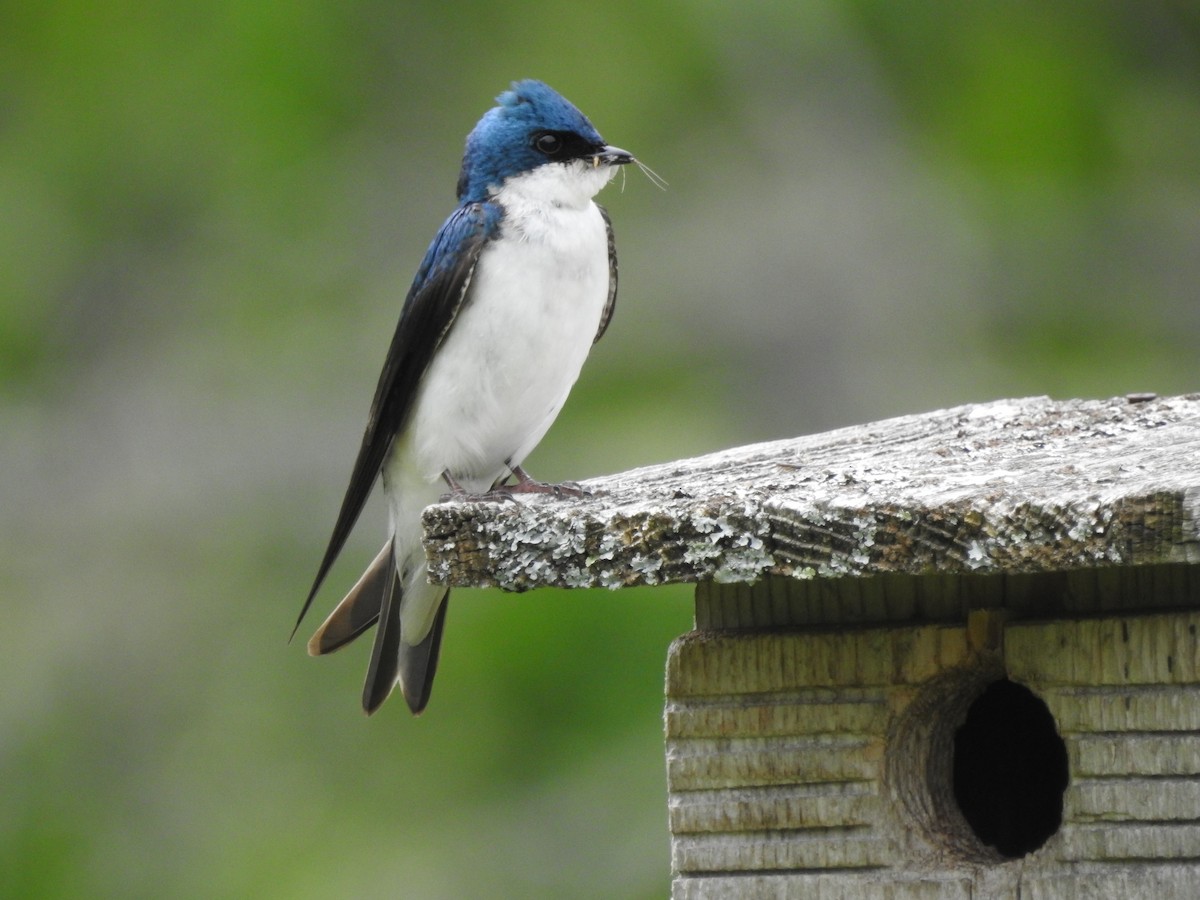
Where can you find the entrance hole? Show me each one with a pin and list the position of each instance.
(1010, 770)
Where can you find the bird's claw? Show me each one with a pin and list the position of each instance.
(559, 491)
(504, 493)
(527, 485)
(495, 495)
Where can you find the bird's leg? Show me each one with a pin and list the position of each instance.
(460, 494)
(527, 485)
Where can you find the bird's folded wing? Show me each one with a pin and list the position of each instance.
(433, 302)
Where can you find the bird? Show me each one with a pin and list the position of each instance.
(518, 284)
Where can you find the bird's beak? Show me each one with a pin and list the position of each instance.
(611, 156)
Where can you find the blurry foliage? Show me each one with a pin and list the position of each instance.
(211, 213)
(1018, 91)
(1068, 116)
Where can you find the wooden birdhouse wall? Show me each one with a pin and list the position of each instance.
(820, 760)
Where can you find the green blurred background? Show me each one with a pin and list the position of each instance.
(209, 215)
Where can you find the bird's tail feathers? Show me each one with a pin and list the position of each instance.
(359, 609)
(377, 597)
(385, 654)
(418, 663)
(393, 659)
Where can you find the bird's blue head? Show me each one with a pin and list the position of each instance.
(531, 126)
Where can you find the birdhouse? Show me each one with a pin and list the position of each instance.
(951, 655)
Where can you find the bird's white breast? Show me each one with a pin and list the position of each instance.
(517, 346)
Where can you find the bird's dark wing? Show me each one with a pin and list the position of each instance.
(433, 302)
(611, 305)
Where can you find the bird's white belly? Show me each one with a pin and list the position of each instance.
(516, 348)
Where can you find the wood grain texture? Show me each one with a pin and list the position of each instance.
(817, 763)
(778, 602)
(1015, 486)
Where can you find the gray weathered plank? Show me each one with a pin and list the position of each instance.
(1014, 486)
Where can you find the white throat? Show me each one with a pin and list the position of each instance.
(571, 185)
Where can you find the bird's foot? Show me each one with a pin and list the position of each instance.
(527, 485)
(459, 494)
(498, 495)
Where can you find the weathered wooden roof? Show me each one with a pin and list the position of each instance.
(1030, 485)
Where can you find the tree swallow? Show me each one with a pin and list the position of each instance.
(517, 285)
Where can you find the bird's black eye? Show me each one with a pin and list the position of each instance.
(547, 142)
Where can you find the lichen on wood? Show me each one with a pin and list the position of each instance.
(1013, 486)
